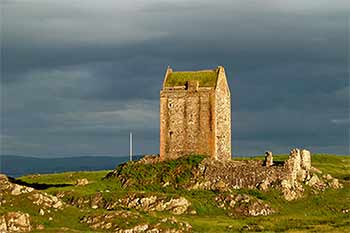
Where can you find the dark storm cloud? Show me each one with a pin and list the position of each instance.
(77, 77)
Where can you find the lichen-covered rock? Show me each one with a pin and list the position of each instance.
(313, 180)
(82, 182)
(119, 221)
(20, 189)
(15, 222)
(335, 184)
(154, 203)
(97, 201)
(291, 191)
(243, 204)
(6, 186)
(3, 224)
(137, 201)
(175, 205)
(135, 229)
(46, 201)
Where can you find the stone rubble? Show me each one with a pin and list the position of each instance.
(288, 176)
(15, 222)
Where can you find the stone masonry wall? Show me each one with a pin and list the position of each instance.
(196, 120)
(212, 174)
(186, 122)
(223, 118)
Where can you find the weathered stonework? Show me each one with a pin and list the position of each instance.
(293, 165)
(268, 159)
(305, 159)
(195, 118)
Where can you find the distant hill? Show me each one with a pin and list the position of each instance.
(15, 166)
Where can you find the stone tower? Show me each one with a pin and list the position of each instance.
(195, 114)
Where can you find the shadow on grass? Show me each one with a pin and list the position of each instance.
(278, 163)
(37, 186)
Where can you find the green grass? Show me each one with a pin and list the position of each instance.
(151, 177)
(205, 78)
(337, 166)
(312, 213)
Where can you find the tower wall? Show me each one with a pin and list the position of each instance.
(186, 122)
(222, 131)
(195, 119)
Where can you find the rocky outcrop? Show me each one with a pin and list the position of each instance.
(243, 204)
(291, 191)
(41, 199)
(46, 201)
(320, 183)
(126, 223)
(10, 195)
(15, 222)
(153, 203)
(82, 182)
(177, 206)
(6, 186)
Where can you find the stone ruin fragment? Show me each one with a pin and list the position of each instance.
(268, 159)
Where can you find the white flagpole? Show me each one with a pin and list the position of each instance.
(130, 146)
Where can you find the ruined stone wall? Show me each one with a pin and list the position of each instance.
(222, 131)
(237, 174)
(186, 122)
(250, 173)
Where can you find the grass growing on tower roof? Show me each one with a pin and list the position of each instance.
(205, 78)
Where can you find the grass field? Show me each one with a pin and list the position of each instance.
(321, 212)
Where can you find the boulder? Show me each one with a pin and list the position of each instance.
(15, 222)
(335, 184)
(14, 189)
(82, 182)
(45, 200)
(313, 181)
(243, 204)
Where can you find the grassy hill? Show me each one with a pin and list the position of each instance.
(315, 212)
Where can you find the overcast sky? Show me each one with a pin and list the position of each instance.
(77, 76)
